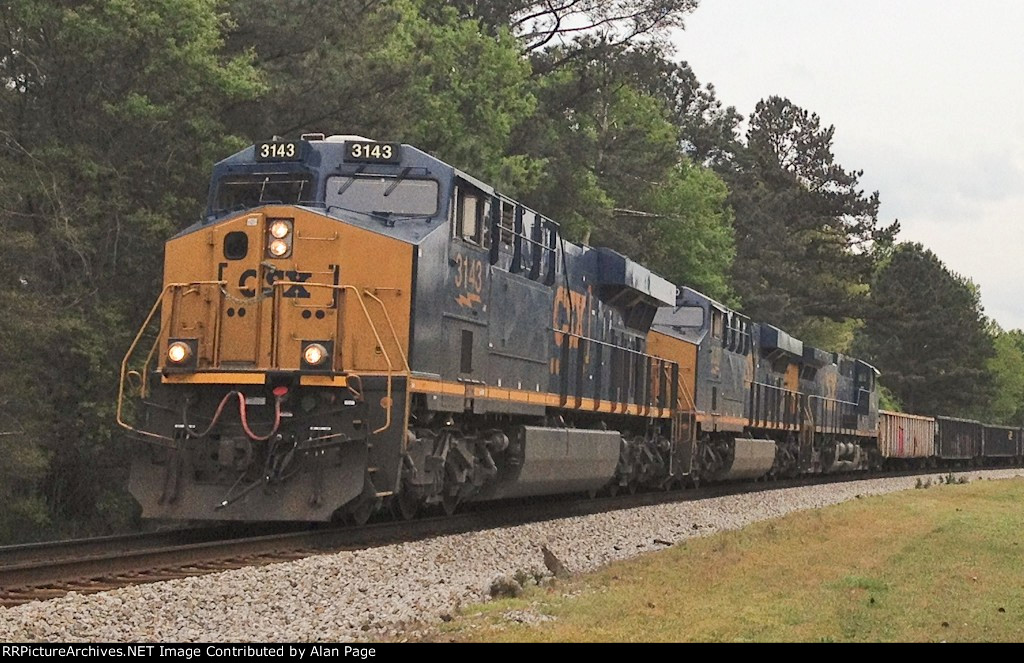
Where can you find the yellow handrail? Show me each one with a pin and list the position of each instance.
(394, 334)
(149, 357)
(373, 328)
(386, 403)
(683, 390)
(124, 368)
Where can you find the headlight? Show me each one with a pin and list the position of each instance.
(279, 237)
(278, 247)
(279, 229)
(314, 354)
(178, 352)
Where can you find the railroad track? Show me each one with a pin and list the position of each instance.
(50, 570)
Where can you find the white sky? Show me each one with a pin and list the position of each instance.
(927, 98)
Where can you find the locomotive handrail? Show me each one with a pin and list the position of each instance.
(832, 409)
(394, 334)
(131, 351)
(684, 391)
(373, 328)
(647, 405)
(610, 345)
(833, 400)
(774, 404)
(833, 417)
(160, 300)
(170, 319)
(691, 416)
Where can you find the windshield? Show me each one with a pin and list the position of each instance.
(380, 194)
(237, 192)
(688, 316)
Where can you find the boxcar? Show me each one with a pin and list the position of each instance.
(959, 439)
(903, 438)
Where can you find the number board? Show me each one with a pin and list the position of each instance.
(279, 151)
(372, 152)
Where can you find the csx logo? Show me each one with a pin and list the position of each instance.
(297, 291)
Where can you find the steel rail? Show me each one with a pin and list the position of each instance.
(40, 571)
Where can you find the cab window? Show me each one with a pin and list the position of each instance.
(688, 316)
(239, 192)
(469, 210)
(717, 324)
(382, 195)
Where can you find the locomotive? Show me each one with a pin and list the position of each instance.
(356, 325)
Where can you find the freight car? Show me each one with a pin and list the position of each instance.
(356, 325)
(906, 440)
(1001, 445)
(959, 441)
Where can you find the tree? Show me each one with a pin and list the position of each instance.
(1007, 370)
(616, 170)
(926, 332)
(404, 70)
(23, 410)
(110, 122)
(807, 238)
(540, 23)
(690, 239)
(708, 131)
(601, 139)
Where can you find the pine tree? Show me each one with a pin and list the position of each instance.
(807, 237)
(926, 332)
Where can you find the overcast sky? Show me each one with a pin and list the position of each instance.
(927, 98)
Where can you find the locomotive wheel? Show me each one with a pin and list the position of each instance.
(361, 512)
(407, 505)
(365, 504)
(450, 503)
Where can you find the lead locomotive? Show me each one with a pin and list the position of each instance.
(356, 324)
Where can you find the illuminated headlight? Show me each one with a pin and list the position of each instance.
(279, 237)
(279, 229)
(314, 354)
(317, 356)
(179, 352)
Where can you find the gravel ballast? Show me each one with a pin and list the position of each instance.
(373, 594)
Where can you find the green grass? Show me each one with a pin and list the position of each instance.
(924, 565)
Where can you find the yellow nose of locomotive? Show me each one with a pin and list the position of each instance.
(275, 298)
(280, 329)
